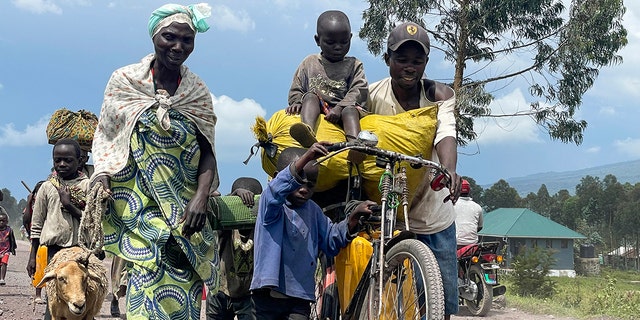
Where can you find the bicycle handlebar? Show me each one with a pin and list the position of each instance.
(442, 177)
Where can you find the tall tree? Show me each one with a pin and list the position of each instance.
(501, 195)
(557, 210)
(529, 201)
(542, 203)
(613, 194)
(627, 222)
(571, 215)
(589, 193)
(566, 50)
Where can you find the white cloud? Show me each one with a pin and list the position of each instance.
(38, 6)
(223, 18)
(627, 84)
(234, 137)
(289, 4)
(608, 110)
(1, 86)
(593, 150)
(32, 135)
(77, 2)
(512, 129)
(628, 146)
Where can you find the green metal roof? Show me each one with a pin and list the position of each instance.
(524, 223)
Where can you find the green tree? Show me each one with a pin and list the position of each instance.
(567, 48)
(627, 221)
(612, 196)
(557, 210)
(14, 211)
(539, 202)
(529, 201)
(590, 192)
(500, 195)
(531, 268)
(570, 213)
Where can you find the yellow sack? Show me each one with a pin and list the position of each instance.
(411, 133)
(41, 263)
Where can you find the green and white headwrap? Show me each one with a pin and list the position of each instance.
(194, 15)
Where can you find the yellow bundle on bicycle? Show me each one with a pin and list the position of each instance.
(411, 133)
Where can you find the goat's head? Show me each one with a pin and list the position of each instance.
(70, 279)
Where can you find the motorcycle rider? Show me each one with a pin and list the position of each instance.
(468, 217)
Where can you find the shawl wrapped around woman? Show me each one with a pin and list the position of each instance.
(131, 91)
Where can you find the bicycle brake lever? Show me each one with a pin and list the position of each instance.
(416, 165)
(336, 146)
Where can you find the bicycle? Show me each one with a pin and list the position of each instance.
(402, 279)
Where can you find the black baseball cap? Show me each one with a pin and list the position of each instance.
(408, 31)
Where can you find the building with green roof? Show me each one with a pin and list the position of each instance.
(522, 228)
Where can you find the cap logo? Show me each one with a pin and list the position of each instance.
(412, 30)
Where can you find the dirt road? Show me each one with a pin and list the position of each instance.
(16, 297)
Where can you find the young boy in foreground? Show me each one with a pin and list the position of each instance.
(290, 230)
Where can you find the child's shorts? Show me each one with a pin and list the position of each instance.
(41, 263)
(5, 258)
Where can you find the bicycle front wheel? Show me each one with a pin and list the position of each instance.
(412, 285)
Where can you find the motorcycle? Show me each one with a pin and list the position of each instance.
(478, 266)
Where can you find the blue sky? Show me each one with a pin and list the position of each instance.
(60, 53)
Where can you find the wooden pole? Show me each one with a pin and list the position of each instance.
(26, 186)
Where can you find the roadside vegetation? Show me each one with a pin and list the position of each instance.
(611, 295)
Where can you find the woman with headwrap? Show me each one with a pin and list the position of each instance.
(154, 153)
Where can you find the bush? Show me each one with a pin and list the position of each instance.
(611, 300)
(530, 273)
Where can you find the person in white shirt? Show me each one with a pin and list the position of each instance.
(468, 217)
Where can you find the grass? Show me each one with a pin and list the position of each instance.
(611, 295)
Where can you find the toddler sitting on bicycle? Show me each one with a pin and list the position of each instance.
(290, 230)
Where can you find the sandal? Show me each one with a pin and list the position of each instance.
(356, 157)
(38, 301)
(303, 133)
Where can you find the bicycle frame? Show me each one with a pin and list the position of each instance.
(394, 192)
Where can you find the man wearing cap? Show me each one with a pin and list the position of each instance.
(431, 217)
(468, 217)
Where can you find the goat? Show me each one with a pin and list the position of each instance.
(78, 285)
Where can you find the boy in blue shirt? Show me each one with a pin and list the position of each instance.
(290, 230)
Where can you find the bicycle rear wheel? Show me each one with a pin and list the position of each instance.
(326, 306)
(412, 285)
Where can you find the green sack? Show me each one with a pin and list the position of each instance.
(228, 212)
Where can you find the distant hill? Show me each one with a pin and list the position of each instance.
(556, 181)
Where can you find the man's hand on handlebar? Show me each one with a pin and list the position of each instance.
(454, 188)
(453, 182)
